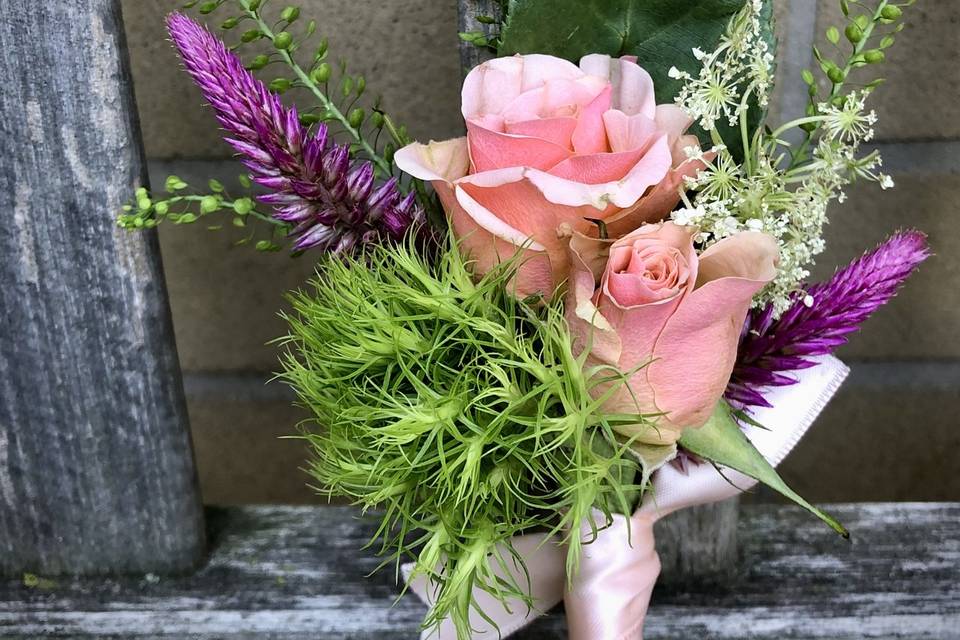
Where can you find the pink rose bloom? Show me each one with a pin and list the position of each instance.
(678, 314)
(550, 144)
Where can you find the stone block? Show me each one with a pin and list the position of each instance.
(918, 101)
(407, 49)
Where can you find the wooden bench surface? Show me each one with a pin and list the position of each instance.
(300, 572)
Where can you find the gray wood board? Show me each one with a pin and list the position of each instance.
(300, 572)
(96, 468)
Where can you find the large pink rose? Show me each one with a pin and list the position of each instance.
(669, 318)
(550, 144)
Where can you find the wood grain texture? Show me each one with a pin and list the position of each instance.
(299, 572)
(96, 469)
(468, 10)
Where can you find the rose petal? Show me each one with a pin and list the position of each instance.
(632, 86)
(486, 250)
(559, 131)
(590, 135)
(490, 150)
(444, 161)
(491, 86)
(628, 132)
(650, 170)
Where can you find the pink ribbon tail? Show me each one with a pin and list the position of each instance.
(608, 597)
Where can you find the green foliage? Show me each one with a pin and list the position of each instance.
(870, 29)
(180, 206)
(662, 34)
(721, 441)
(457, 410)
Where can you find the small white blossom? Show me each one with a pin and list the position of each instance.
(808, 301)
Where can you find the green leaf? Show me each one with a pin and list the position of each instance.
(721, 441)
(661, 33)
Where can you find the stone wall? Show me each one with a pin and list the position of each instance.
(892, 433)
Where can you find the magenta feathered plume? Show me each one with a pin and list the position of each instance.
(331, 202)
(769, 348)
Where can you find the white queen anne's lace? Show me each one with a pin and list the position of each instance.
(769, 191)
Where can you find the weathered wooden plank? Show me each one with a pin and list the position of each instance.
(96, 471)
(299, 572)
(695, 544)
(470, 55)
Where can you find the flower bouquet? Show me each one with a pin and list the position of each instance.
(524, 346)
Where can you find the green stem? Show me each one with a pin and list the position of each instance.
(328, 104)
(230, 204)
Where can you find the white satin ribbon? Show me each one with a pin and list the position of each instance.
(608, 598)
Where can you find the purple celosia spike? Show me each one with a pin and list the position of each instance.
(769, 347)
(335, 206)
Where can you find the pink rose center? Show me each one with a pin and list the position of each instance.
(646, 272)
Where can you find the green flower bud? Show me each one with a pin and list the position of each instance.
(138, 222)
(144, 203)
(280, 85)
(807, 76)
(355, 117)
(388, 152)
(209, 204)
(251, 35)
(361, 85)
(187, 218)
(259, 62)
(322, 73)
(142, 192)
(161, 208)
(862, 21)
(150, 223)
(307, 119)
(253, 5)
(174, 183)
(243, 206)
(238, 222)
(244, 180)
(208, 7)
(282, 40)
(289, 14)
(874, 56)
(833, 35)
(854, 33)
(215, 185)
(377, 119)
(346, 86)
(321, 50)
(836, 75)
(891, 12)
(230, 23)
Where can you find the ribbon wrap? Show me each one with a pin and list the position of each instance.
(609, 596)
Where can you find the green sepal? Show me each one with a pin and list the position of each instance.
(652, 457)
(722, 442)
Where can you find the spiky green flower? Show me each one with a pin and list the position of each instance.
(457, 411)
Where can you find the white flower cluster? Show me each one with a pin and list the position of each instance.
(742, 64)
(770, 191)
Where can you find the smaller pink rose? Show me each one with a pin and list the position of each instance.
(666, 316)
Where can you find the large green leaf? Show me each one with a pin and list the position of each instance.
(722, 441)
(661, 33)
